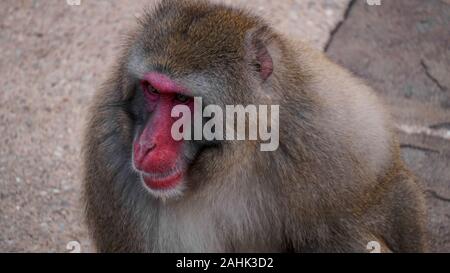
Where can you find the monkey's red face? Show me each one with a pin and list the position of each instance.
(156, 155)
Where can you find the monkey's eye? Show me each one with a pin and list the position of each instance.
(150, 91)
(257, 67)
(182, 98)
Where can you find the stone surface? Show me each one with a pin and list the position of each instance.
(53, 56)
(402, 49)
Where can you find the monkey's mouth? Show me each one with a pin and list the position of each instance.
(164, 181)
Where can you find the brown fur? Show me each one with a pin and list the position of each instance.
(335, 183)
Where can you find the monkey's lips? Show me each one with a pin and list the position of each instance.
(164, 181)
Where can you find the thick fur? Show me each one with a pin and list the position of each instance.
(335, 183)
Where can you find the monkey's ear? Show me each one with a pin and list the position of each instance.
(261, 60)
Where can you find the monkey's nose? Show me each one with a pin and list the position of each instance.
(141, 150)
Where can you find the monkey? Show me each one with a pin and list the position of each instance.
(336, 183)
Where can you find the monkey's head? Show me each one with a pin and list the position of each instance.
(179, 52)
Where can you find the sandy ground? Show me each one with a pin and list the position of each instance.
(53, 56)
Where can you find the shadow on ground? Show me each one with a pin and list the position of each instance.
(402, 49)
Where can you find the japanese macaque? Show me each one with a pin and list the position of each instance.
(335, 183)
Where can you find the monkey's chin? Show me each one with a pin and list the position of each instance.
(164, 187)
